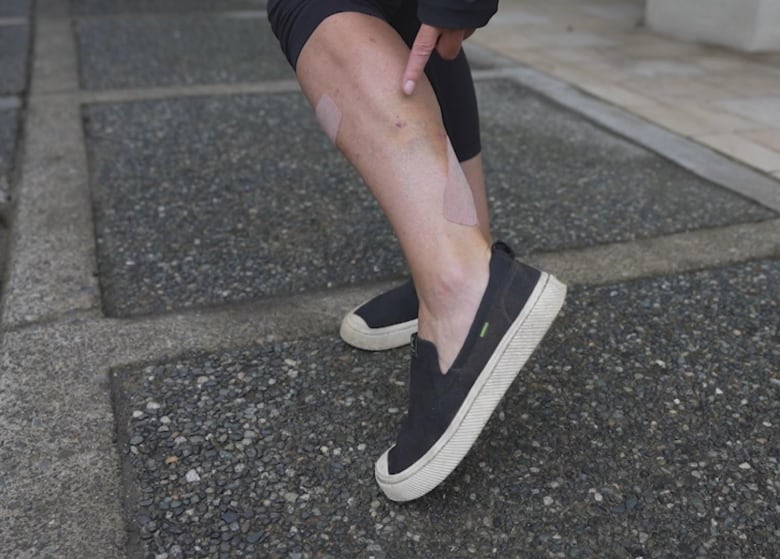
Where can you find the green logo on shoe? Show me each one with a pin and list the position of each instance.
(484, 330)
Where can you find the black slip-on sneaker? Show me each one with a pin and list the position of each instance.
(385, 322)
(447, 412)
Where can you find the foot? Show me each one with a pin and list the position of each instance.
(385, 322)
(447, 412)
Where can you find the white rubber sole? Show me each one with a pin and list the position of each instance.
(512, 352)
(357, 333)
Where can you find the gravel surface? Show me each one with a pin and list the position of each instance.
(8, 128)
(558, 181)
(14, 41)
(146, 51)
(645, 426)
(15, 8)
(209, 200)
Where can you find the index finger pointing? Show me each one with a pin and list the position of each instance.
(423, 46)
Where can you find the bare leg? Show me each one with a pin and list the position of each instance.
(473, 170)
(399, 147)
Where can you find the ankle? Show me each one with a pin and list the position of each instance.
(448, 307)
(451, 284)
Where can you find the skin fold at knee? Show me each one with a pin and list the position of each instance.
(459, 204)
(329, 116)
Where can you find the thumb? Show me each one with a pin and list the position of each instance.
(423, 46)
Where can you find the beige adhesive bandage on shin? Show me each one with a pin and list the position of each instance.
(329, 116)
(458, 200)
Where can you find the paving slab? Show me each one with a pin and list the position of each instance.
(147, 51)
(211, 200)
(14, 40)
(8, 129)
(9, 122)
(104, 7)
(646, 425)
(557, 181)
(15, 8)
(202, 201)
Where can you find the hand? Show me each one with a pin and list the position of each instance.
(447, 42)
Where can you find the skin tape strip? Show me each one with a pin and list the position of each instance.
(329, 116)
(458, 200)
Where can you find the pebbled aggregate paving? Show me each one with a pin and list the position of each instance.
(147, 51)
(15, 8)
(645, 426)
(204, 201)
(104, 7)
(214, 200)
(558, 181)
(14, 40)
(8, 130)
(9, 122)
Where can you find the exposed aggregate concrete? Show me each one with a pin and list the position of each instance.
(145, 51)
(645, 426)
(14, 43)
(210, 200)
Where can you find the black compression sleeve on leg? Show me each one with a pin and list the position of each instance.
(452, 83)
(454, 87)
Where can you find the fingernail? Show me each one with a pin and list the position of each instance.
(409, 87)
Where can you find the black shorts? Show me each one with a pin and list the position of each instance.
(293, 22)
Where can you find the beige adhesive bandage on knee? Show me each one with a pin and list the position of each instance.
(329, 116)
(458, 200)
